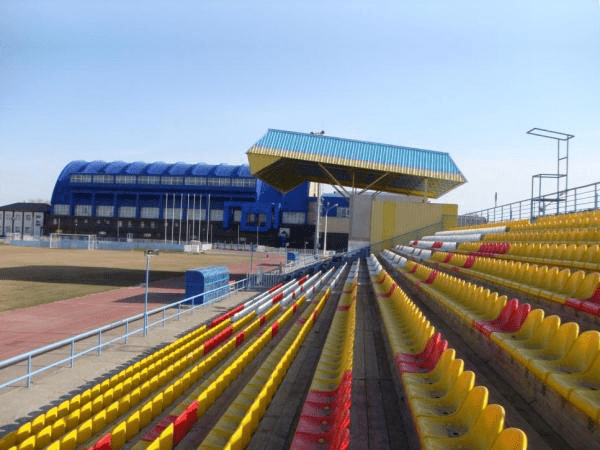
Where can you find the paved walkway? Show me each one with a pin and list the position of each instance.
(20, 404)
(26, 329)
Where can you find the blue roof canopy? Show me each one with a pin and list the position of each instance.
(285, 159)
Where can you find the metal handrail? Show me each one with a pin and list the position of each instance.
(580, 198)
(71, 341)
(247, 282)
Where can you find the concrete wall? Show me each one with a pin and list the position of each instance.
(392, 218)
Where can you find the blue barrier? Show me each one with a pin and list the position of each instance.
(211, 281)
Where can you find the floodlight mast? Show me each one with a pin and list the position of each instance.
(562, 162)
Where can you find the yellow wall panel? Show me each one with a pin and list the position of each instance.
(390, 218)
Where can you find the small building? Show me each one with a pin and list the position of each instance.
(22, 220)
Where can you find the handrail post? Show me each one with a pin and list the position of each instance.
(178, 310)
(163, 319)
(29, 364)
(99, 351)
(126, 331)
(72, 362)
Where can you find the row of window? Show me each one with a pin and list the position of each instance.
(166, 180)
(129, 212)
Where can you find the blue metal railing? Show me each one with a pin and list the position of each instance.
(182, 307)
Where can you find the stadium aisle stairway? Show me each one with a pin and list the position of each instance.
(325, 418)
(554, 357)
(576, 290)
(448, 410)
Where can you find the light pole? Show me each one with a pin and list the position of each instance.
(148, 254)
(325, 237)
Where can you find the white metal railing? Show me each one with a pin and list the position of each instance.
(575, 199)
(183, 306)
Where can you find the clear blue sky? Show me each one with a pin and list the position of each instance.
(201, 81)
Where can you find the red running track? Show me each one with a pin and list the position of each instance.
(26, 329)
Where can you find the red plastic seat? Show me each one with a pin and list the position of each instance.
(488, 326)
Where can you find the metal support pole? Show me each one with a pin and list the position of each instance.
(146, 299)
(29, 366)
(99, 349)
(71, 362)
(126, 331)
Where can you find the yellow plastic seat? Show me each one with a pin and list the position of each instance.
(588, 286)
(458, 423)
(510, 439)
(449, 403)
(570, 287)
(557, 347)
(533, 320)
(566, 383)
(537, 341)
(438, 388)
(577, 359)
(480, 436)
(438, 371)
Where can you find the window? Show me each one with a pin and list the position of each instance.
(343, 212)
(171, 180)
(251, 219)
(197, 214)
(224, 181)
(237, 215)
(216, 215)
(80, 178)
(83, 210)
(62, 210)
(169, 213)
(125, 179)
(127, 211)
(213, 181)
(195, 181)
(104, 179)
(262, 218)
(293, 218)
(145, 179)
(149, 213)
(243, 182)
(105, 211)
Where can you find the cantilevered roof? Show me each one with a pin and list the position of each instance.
(285, 159)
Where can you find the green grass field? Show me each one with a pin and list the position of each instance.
(33, 276)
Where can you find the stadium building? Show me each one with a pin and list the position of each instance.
(189, 202)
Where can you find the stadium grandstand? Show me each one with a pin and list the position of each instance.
(431, 332)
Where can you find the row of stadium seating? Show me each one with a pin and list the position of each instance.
(77, 420)
(590, 235)
(578, 219)
(325, 417)
(194, 404)
(506, 223)
(171, 360)
(578, 256)
(576, 289)
(563, 362)
(448, 410)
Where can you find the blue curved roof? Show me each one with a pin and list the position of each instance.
(115, 167)
(155, 168)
